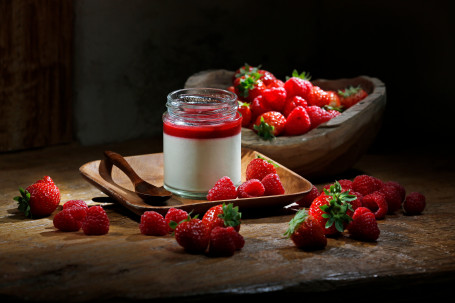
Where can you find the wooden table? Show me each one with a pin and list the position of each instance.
(413, 258)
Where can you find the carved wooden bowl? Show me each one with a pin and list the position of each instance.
(328, 150)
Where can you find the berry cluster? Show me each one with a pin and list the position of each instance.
(261, 180)
(272, 107)
(351, 205)
(216, 233)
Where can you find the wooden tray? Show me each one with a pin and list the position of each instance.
(114, 183)
(331, 148)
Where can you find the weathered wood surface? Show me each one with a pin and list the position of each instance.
(35, 73)
(413, 258)
(331, 148)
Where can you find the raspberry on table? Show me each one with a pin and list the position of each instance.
(175, 215)
(65, 221)
(96, 222)
(414, 203)
(377, 203)
(223, 189)
(366, 184)
(393, 197)
(272, 185)
(363, 226)
(153, 224)
(223, 241)
(251, 188)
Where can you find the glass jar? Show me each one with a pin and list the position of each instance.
(201, 140)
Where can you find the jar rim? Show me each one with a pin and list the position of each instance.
(203, 92)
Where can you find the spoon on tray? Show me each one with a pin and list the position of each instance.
(148, 192)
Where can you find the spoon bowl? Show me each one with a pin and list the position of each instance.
(148, 192)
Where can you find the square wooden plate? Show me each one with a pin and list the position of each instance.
(114, 183)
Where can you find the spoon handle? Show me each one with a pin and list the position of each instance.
(121, 163)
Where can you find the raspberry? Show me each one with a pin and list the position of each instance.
(345, 184)
(193, 235)
(175, 215)
(363, 226)
(223, 189)
(153, 224)
(275, 97)
(65, 221)
(393, 197)
(96, 222)
(251, 188)
(72, 203)
(272, 185)
(400, 188)
(366, 184)
(292, 103)
(306, 200)
(357, 202)
(238, 240)
(258, 168)
(78, 208)
(376, 202)
(414, 203)
(223, 241)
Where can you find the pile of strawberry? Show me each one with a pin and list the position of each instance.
(261, 180)
(217, 233)
(352, 206)
(272, 107)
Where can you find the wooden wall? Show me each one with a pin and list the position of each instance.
(35, 73)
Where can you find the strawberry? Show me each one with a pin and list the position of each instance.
(272, 185)
(65, 221)
(275, 83)
(249, 86)
(309, 197)
(317, 115)
(377, 203)
(266, 77)
(193, 235)
(258, 168)
(258, 107)
(293, 102)
(393, 197)
(414, 203)
(223, 215)
(363, 225)
(39, 199)
(321, 98)
(224, 241)
(299, 85)
(330, 209)
(96, 222)
(245, 110)
(351, 95)
(366, 184)
(250, 189)
(224, 189)
(306, 232)
(344, 183)
(174, 215)
(298, 122)
(153, 224)
(269, 125)
(275, 97)
(244, 70)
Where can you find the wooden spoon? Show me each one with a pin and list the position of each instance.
(148, 192)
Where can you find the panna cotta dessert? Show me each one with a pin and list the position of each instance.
(201, 141)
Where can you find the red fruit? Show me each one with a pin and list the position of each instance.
(357, 202)
(317, 115)
(267, 77)
(258, 107)
(400, 188)
(96, 222)
(351, 95)
(345, 184)
(376, 202)
(175, 215)
(272, 185)
(414, 203)
(72, 203)
(249, 86)
(222, 215)
(238, 240)
(298, 87)
(275, 97)
(270, 124)
(244, 70)
(292, 103)
(363, 225)
(258, 168)
(153, 224)
(321, 98)
(330, 209)
(250, 189)
(309, 197)
(275, 83)
(393, 197)
(65, 221)
(39, 199)
(333, 112)
(306, 232)
(366, 184)
(223, 241)
(298, 122)
(78, 208)
(224, 189)
(245, 110)
(193, 235)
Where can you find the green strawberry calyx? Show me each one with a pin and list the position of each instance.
(230, 215)
(351, 90)
(335, 211)
(265, 130)
(24, 202)
(300, 217)
(248, 83)
(303, 75)
(245, 70)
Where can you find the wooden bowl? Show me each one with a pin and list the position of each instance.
(328, 150)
